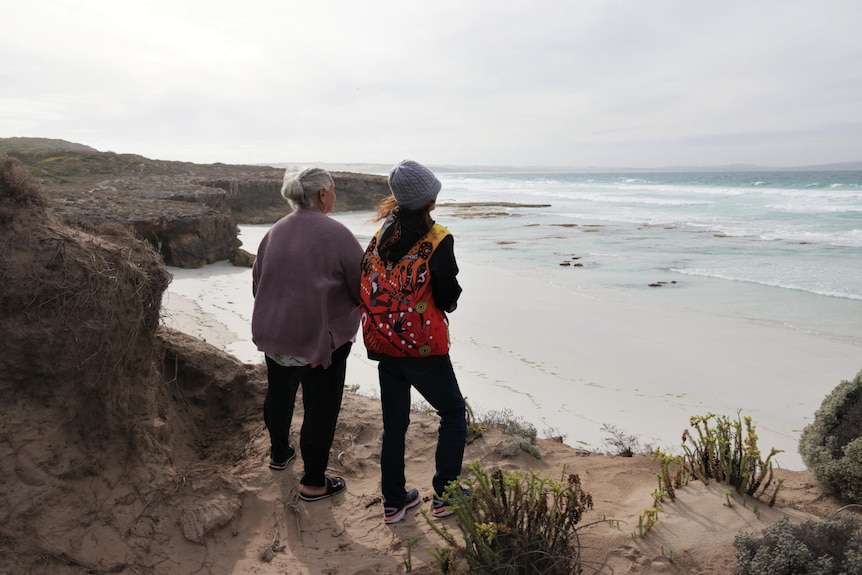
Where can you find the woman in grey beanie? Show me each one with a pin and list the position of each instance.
(408, 286)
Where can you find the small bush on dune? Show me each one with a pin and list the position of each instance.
(828, 547)
(727, 451)
(522, 434)
(515, 523)
(831, 446)
(617, 442)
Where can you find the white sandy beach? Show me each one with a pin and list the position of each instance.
(571, 360)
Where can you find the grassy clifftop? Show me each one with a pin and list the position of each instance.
(30, 145)
(61, 162)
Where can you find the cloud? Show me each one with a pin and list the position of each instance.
(595, 81)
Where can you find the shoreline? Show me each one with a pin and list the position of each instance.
(640, 364)
(571, 360)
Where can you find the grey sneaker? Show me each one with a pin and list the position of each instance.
(395, 513)
(442, 506)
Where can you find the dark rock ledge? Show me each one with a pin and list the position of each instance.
(189, 212)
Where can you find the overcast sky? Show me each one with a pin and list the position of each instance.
(625, 83)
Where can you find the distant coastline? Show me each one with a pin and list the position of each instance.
(372, 168)
(31, 143)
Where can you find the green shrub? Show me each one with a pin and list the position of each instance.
(828, 547)
(673, 474)
(831, 446)
(622, 444)
(514, 523)
(726, 452)
(522, 434)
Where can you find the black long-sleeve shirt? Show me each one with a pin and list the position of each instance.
(401, 230)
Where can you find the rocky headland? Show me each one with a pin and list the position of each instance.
(188, 212)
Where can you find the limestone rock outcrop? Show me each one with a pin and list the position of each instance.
(188, 233)
(191, 240)
(188, 212)
(259, 201)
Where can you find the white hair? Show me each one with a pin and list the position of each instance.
(300, 188)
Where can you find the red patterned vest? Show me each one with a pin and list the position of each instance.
(399, 316)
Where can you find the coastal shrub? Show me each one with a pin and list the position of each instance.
(512, 523)
(521, 433)
(726, 450)
(828, 547)
(831, 446)
(474, 427)
(618, 442)
(646, 521)
(672, 475)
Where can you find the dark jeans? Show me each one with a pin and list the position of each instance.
(322, 390)
(437, 384)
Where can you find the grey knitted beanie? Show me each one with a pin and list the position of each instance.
(413, 185)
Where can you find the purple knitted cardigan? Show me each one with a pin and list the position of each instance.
(305, 281)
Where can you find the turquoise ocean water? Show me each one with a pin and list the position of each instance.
(786, 246)
(774, 247)
(797, 231)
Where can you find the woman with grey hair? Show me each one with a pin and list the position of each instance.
(305, 282)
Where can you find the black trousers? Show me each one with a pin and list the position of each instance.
(322, 390)
(436, 382)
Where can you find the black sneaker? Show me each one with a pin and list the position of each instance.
(394, 514)
(442, 506)
(282, 465)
